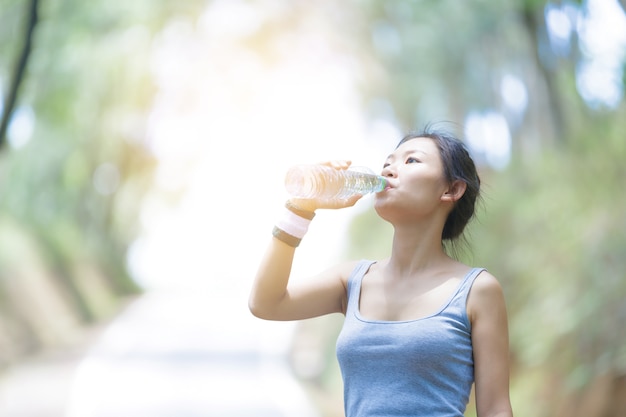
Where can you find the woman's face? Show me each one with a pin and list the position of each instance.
(416, 180)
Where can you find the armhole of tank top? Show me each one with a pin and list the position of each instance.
(354, 281)
(466, 289)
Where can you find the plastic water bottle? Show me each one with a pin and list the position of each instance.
(323, 182)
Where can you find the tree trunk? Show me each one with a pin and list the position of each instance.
(19, 70)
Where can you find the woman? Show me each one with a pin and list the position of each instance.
(420, 326)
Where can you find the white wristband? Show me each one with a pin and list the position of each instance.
(293, 224)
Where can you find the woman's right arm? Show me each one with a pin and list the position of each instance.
(273, 297)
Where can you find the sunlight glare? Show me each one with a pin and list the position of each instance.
(226, 125)
(21, 127)
(514, 93)
(489, 138)
(603, 43)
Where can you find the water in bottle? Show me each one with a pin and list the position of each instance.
(323, 182)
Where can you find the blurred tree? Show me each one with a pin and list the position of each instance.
(19, 70)
(75, 165)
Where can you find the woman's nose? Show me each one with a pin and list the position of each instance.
(388, 171)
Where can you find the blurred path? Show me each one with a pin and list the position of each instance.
(40, 386)
(169, 354)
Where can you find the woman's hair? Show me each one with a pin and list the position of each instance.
(458, 165)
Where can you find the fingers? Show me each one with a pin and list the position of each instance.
(338, 164)
(349, 202)
(339, 203)
(314, 204)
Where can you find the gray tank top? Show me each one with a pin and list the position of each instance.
(416, 368)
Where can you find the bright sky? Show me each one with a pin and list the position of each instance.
(227, 124)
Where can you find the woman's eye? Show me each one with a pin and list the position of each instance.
(385, 165)
(412, 160)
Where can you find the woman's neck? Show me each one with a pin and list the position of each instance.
(416, 249)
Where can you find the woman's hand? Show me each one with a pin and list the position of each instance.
(312, 204)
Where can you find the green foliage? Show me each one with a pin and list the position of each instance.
(440, 57)
(88, 85)
(554, 233)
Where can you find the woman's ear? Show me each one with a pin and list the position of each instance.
(455, 191)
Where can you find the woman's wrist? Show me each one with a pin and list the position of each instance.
(302, 210)
(293, 224)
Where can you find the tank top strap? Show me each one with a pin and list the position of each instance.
(458, 303)
(354, 282)
(467, 282)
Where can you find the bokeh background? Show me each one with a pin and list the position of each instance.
(142, 151)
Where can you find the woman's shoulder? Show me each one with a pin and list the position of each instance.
(485, 283)
(346, 269)
(486, 294)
